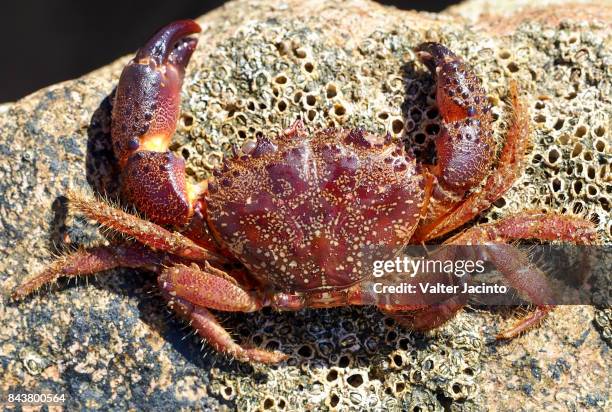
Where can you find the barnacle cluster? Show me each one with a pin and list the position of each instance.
(366, 361)
(570, 167)
(269, 75)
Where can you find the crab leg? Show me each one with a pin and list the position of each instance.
(515, 265)
(353, 295)
(415, 317)
(142, 230)
(426, 317)
(91, 261)
(144, 117)
(207, 287)
(208, 327)
(531, 225)
(190, 290)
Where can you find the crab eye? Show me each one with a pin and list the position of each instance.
(263, 147)
(248, 146)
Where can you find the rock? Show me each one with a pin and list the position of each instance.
(108, 343)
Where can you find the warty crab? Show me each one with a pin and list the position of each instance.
(299, 213)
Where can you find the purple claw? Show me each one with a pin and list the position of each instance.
(147, 103)
(465, 145)
(145, 112)
(433, 55)
(171, 43)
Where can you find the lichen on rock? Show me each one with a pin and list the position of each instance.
(259, 66)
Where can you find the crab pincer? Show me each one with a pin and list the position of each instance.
(145, 112)
(465, 145)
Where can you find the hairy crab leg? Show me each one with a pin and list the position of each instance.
(142, 230)
(145, 113)
(426, 317)
(207, 287)
(531, 225)
(191, 290)
(515, 265)
(208, 328)
(92, 261)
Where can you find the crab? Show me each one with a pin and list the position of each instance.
(289, 222)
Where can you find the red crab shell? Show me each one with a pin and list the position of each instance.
(303, 212)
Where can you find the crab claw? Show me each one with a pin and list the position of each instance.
(145, 112)
(465, 145)
(146, 104)
(171, 44)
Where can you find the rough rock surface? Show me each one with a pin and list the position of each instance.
(108, 343)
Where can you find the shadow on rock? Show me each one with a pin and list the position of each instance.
(101, 164)
(419, 143)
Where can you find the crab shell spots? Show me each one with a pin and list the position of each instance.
(460, 93)
(160, 176)
(317, 210)
(465, 153)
